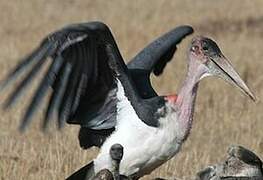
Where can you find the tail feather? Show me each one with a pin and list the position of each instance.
(85, 173)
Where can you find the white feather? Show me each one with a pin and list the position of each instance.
(145, 147)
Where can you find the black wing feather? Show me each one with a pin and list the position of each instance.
(148, 58)
(82, 80)
(41, 91)
(154, 57)
(64, 106)
(36, 55)
(18, 91)
(85, 81)
(82, 86)
(81, 77)
(58, 90)
(160, 65)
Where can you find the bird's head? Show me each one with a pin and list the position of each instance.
(116, 152)
(206, 53)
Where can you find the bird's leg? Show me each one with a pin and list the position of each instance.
(116, 154)
(116, 170)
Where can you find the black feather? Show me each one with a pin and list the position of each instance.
(92, 54)
(48, 79)
(80, 91)
(161, 49)
(25, 63)
(18, 91)
(65, 81)
(68, 97)
(55, 86)
(160, 65)
(153, 58)
(57, 95)
(82, 76)
(82, 79)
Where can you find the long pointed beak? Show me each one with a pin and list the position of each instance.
(226, 71)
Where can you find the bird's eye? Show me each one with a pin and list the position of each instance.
(195, 48)
(205, 48)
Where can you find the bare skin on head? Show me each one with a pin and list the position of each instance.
(208, 53)
(204, 59)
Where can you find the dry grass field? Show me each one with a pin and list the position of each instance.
(223, 116)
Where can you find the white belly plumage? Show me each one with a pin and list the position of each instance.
(145, 147)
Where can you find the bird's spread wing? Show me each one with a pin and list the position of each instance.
(85, 62)
(154, 57)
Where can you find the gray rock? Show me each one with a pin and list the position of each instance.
(240, 164)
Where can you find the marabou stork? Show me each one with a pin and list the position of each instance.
(114, 103)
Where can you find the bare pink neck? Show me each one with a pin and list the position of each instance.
(185, 102)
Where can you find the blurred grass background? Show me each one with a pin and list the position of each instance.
(223, 116)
